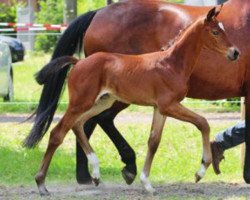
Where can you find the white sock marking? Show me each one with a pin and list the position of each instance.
(202, 171)
(93, 160)
(146, 183)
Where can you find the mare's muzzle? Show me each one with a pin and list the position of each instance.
(233, 53)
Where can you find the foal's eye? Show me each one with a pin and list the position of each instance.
(215, 32)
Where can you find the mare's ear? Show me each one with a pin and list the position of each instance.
(211, 14)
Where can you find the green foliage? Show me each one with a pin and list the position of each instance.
(7, 12)
(51, 12)
(86, 5)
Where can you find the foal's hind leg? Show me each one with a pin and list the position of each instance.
(153, 143)
(106, 121)
(91, 156)
(180, 112)
(56, 138)
(102, 104)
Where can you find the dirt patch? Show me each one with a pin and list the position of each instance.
(106, 191)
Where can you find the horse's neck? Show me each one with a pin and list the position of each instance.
(185, 52)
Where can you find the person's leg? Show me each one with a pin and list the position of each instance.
(224, 140)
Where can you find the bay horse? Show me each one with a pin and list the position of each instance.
(136, 27)
(157, 79)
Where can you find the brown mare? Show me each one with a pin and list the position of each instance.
(136, 27)
(156, 79)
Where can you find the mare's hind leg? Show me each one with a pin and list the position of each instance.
(56, 138)
(153, 143)
(180, 112)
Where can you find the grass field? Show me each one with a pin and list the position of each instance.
(177, 160)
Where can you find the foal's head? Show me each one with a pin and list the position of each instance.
(214, 36)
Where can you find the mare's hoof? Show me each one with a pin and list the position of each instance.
(197, 178)
(246, 176)
(84, 179)
(128, 176)
(96, 181)
(87, 181)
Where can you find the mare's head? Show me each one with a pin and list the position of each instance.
(215, 38)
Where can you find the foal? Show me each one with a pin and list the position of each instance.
(157, 79)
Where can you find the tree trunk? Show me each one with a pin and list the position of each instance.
(70, 9)
(109, 2)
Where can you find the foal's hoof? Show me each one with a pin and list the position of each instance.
(44, 194)
(197, 178)
(152, 191)
(96, 181)
(43, 191)
(128, 176)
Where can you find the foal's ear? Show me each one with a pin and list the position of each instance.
(211, 14)
(217, 11)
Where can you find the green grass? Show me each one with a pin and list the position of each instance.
(177, 159)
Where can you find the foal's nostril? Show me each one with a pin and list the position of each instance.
(236, 54)
(233, 53)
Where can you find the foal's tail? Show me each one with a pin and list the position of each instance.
(53, 84)
(53, 67)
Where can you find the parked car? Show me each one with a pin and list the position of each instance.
(6, 72)
(16, 48)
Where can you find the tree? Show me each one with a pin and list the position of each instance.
(70, 11)
(109, 2)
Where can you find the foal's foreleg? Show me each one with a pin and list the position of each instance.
(180, 112)
(153, 143)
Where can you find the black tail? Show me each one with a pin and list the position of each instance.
(53, 67)
(53, 86)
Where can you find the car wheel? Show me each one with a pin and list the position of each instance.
(9, 96)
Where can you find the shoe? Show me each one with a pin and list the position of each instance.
(217, 156)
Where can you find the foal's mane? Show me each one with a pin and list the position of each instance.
(178, 36)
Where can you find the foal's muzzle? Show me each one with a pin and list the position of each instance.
(233, 53)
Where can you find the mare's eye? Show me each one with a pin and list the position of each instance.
(215, 32)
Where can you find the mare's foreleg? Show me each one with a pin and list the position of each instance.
(178, 111)
(153, 143)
